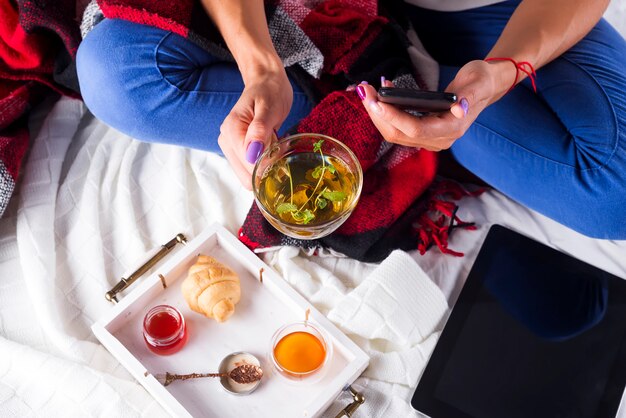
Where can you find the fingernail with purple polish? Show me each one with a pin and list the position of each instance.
(464, 105)
(364, 82)
(255, 148)
(361, 92)
(383, 80)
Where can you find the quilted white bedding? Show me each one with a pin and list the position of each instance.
(92, 201)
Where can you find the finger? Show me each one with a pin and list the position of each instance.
(243, 173)
(232, 130)
(386, 114)
(439, 130)
(385, 83)
(391, 134)
(388, 131)
(260, 132)
(397, 137)
(232, 154)
(460, 108)
(434, 132)
(466, 91)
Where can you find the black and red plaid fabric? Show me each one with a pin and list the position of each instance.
(33, 36)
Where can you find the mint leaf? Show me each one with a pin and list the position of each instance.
(308, 216)
(334, 196)
(317, 146)
(317, 172)
(321, 203)
(286, 207)
(305, 216)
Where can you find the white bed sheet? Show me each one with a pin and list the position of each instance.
(92, 201)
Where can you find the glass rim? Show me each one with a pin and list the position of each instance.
(323, 337)
(167, 340)
(283, 140)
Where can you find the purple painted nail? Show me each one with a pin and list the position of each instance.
(464, 105)
(255, 148)
(361, 92)
(382, 80)
(364, 82)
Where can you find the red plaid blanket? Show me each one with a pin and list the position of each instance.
(33, 36)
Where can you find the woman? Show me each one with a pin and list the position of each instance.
(560, 151)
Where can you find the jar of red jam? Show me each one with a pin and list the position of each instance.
(164, 330)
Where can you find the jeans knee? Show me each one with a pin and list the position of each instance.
(99, 75)
(115, 67)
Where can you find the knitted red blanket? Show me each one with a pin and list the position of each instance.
(32, 36)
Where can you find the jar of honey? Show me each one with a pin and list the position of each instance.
(164, 330)
(300, 351)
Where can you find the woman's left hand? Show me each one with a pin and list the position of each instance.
(477, 85)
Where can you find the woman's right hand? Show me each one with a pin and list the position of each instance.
(250, 126)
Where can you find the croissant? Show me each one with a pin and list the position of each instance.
(211, 288)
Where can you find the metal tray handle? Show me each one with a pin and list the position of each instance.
(154, 257)
(358, 400)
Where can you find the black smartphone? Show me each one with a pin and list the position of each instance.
(419, 100)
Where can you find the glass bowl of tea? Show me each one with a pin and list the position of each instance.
(300, 352)
(307, 185)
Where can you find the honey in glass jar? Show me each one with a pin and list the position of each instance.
(299, 350)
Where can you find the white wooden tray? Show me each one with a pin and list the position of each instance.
(264, 307)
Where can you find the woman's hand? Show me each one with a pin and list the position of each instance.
(249, 128)
(266, 99)
(477, 85)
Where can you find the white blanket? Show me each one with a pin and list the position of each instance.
(92, 201)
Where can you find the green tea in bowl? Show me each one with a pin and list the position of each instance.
(306, 185)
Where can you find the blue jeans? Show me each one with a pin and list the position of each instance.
(157, 86)
(561, 151)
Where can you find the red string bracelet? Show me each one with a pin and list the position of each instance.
(519, 66)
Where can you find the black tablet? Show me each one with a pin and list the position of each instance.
(534, 333)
